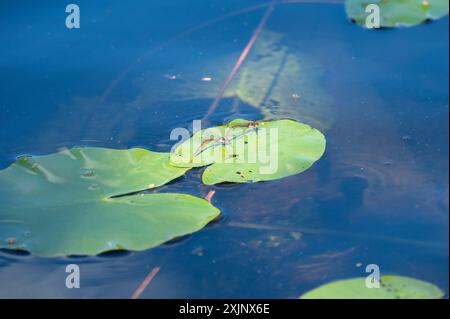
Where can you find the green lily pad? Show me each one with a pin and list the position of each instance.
(391, 287)
(394, 13)
(66, 203)
(245, 151)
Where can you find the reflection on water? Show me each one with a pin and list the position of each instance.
(277, 81)
(379, 195)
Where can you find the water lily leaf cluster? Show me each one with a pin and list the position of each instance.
(246, 151)
(68, 203)
(394, 13)
(391, 287)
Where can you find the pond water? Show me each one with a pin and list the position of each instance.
(133, 72)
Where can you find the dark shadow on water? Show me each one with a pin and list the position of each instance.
(218, 221)
(177, 240)
(15, 252)
(114, 253)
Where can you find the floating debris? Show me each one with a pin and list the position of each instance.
(171, 76)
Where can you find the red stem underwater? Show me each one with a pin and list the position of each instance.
(145, 283)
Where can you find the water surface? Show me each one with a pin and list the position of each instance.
(379, 195)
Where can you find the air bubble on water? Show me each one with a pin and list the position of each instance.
(171, 76)
(406, 138)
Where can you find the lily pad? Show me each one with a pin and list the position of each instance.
(245, 151)
(394, 13)
(391, 287)
(66, 203)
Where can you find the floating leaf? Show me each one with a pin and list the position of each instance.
(245, 151)
(394, 13)
(391, 287)
(65, 203)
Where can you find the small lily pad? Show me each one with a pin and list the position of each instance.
(394, 13)
(67, 203)
(391, 287)
(251, 151)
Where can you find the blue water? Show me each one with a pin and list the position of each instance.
(378, 196)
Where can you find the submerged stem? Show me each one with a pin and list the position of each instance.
(240, 60)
